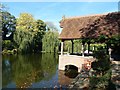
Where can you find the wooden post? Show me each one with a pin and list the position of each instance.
(72, 46)
(107, 48)
(83, 43)
(68, 51)
(88, 47)
(93, 48)
(62, 47)
(110, 50)
(82, 50)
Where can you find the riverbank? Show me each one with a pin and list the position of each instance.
(116, 74)
(81, 81)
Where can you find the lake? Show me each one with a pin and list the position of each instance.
(32, 71)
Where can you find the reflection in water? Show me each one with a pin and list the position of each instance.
(63, 79)
(6, 73)
(71, 71)
(26, 70)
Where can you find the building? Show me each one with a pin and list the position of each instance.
(86, 27)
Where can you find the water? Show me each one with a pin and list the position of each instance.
(32, 71)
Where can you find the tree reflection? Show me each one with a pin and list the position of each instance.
(24, 73)
(6, 68)
(49, 62)
(28, 69)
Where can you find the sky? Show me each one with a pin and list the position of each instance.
(54, 11)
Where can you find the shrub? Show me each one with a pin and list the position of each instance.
(7, 44)
(102, 73)
(102, 62)
(100, 82)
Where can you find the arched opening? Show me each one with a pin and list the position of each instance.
(71, 71)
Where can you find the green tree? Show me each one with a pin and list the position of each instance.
(40, 27)
(7, 28)
(24, 32)
(8, 25)
(25, 22)
(23, 40)
(101, 69)
(50, 41)
(29, 33)
(114, 42)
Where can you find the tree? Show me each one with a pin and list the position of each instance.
(29, 33)
(50, 41)
(8, 25)
(24, 32)
(101, 69)
(25, 22)
(7, 28)
(23, 41)
(2, 7)
(40, 27)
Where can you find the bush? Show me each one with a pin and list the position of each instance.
(102, 62)
(100, 82)
(7, 44)
(102, 73)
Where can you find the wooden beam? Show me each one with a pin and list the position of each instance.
(62, 47)
(110, 50)
(83, 46)
(72, 46)
(88, 47)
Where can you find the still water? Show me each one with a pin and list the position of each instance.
(32, 71)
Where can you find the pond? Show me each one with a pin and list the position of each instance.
(32, 71)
